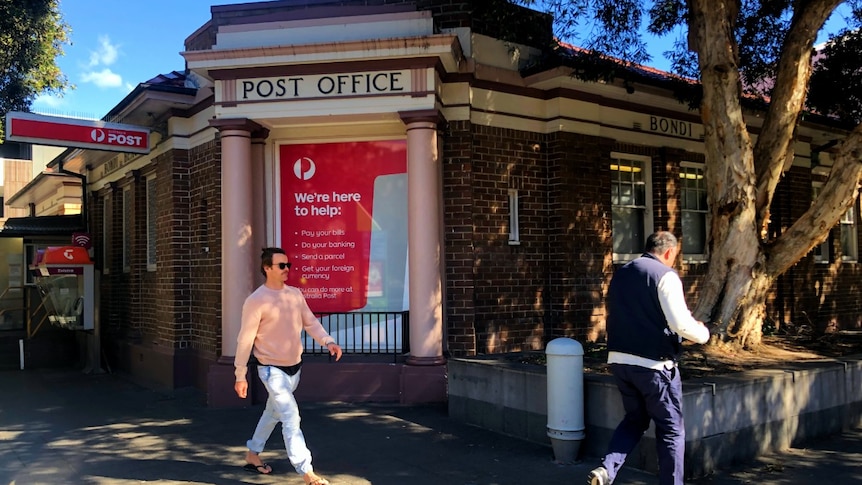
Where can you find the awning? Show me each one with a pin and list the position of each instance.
(64, 225)
(47, 191)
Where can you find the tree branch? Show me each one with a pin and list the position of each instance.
(775, 143)
(837, 196)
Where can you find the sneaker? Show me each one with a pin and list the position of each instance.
(599, 476)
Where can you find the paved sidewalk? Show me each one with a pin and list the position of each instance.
(65, 427)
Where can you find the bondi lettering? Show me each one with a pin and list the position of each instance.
(671, 127)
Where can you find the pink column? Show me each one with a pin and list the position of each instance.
(258, 177)
(424, 239)
(239, 261)
(237, 271)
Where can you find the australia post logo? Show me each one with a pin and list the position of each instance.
(70, 132)
(134, 139)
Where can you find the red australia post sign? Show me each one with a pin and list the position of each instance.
(327, 207)
(71, 132)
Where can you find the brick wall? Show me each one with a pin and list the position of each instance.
(457, 161)
(580, 242)
(503, 297)
(175, 307)
(495, 291)
(205, 247)
(819, 296)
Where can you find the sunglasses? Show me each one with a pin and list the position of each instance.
(282, 265)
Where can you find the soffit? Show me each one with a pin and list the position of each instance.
(43, 187)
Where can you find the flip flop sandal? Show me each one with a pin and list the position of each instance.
(249, 467)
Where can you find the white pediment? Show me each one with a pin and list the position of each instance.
(325, 30)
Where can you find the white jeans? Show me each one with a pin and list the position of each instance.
(281, 406)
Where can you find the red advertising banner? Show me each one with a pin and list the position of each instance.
(327, 207)
(71, 132)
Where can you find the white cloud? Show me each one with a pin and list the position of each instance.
(48, 100)
(103, 79)
(107, 53)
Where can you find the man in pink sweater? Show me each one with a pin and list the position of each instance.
(273, 318)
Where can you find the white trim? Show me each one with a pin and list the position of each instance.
(107, 228)
(855, 232)
(151, 266)
(514, 218)
(649, 220)
(695, 258)
(686, 164)
(821, 170)
(631, 156)
(126, 229)
(824, 246)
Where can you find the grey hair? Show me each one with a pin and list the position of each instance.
(659, 242)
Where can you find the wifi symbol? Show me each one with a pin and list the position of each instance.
(82, 239)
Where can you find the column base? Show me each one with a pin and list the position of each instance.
(424, 384)
(220, 382)
(426, 361)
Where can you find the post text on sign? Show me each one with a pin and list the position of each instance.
(327, 205)
(309, 86)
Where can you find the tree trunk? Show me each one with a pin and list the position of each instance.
(735, 251)
(745, 329)
(744, 263)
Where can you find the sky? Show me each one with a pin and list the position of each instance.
(118, 44)
(115, 45)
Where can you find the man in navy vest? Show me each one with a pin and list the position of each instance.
(647, 320)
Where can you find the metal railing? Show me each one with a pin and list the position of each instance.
(377, 333)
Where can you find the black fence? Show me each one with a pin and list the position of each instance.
(371, 333)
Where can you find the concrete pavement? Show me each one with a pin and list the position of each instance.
(65, 427)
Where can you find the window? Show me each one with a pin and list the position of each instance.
(514, 224)
(152, 198)
(106, 234)
(127, 228)
(630, 203)
(694, 211)
(849, 246)
(821, 251)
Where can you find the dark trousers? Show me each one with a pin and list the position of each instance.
(649, 394)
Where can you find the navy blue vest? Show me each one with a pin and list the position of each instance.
(636, 323)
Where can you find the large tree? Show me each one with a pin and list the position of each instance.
(739, 51)
(32, 35)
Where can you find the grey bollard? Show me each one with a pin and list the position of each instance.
(565, 374)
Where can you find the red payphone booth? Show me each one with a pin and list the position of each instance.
(64, 276)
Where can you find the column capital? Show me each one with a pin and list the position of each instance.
(422, 116)
(260, 135)
(243, 124)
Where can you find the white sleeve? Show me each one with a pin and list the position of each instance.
(679, 318)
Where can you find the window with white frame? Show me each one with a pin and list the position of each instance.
(849, 238)
(152, 198)
(695, 215)
(127, 229)
(514, 221)
(821, 251)
(106, 234)
(631, 197)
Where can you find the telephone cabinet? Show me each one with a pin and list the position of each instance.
(64, 276)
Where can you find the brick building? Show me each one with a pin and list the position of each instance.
(503, 194)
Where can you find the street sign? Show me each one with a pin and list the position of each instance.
(71, 132)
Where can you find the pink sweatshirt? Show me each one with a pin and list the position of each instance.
(272, 322)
